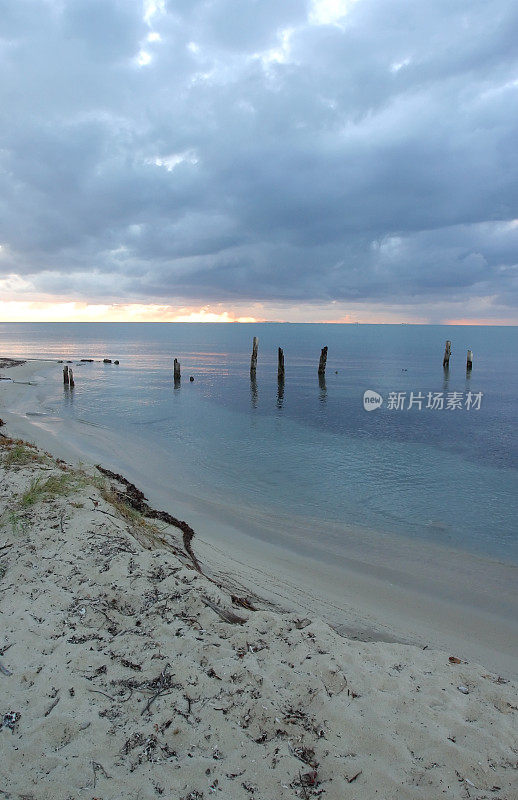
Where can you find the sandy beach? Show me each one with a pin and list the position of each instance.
(258, 400)
(372, 588)
(128, 673)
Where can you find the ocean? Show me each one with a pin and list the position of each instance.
(307, 450)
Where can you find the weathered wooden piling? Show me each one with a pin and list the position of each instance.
(280, 393)
(469, 361)
(254, 393)
(280, 365)
(71, 381)
(322, 362)
(253, 360)
(447, 354)
(65, 376)
(176, 370)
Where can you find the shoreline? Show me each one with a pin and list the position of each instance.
(130, 674)
(454, 601)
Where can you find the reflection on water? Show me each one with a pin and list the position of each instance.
(388, 470)
(446, 381)
(323, 388)
(68, 395)
(254, 393)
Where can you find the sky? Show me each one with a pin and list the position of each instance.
(328, 160)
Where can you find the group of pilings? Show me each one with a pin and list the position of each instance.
(253, 364)
(68, 377)
(447, 354)
(321, 364)
(280, 362)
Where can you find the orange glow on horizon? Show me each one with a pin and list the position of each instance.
(25, 311)
(471, 321)
(56, 310)
(209, 316)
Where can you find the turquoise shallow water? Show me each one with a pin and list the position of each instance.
(308, 448)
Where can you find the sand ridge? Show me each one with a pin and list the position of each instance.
(126, 683)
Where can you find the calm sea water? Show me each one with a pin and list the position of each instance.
(309, 448)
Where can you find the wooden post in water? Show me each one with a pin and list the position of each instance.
(253, 360)
(71, 381)
(280, 393)
(280, 365)
(469, 362)
(176, 370)
(447, 354)
(65, 376)
(254, 394)
(322, 362)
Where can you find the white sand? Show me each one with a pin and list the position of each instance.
(94, 625)
(381, 588)
(126, 684)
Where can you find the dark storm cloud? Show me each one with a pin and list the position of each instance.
(252, 152)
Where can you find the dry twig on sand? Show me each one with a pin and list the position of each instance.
(227, 616)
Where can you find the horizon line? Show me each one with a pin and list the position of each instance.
(452, 323)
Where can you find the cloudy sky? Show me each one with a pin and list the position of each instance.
(268, 159)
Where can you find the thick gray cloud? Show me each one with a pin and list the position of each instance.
(245, 150)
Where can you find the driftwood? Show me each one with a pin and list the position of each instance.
(137, 500)
(227, 616)
(242, 601)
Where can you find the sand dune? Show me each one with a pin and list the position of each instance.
(121, 677)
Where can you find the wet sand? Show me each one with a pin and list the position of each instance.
(370, 587)
(126, 673)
